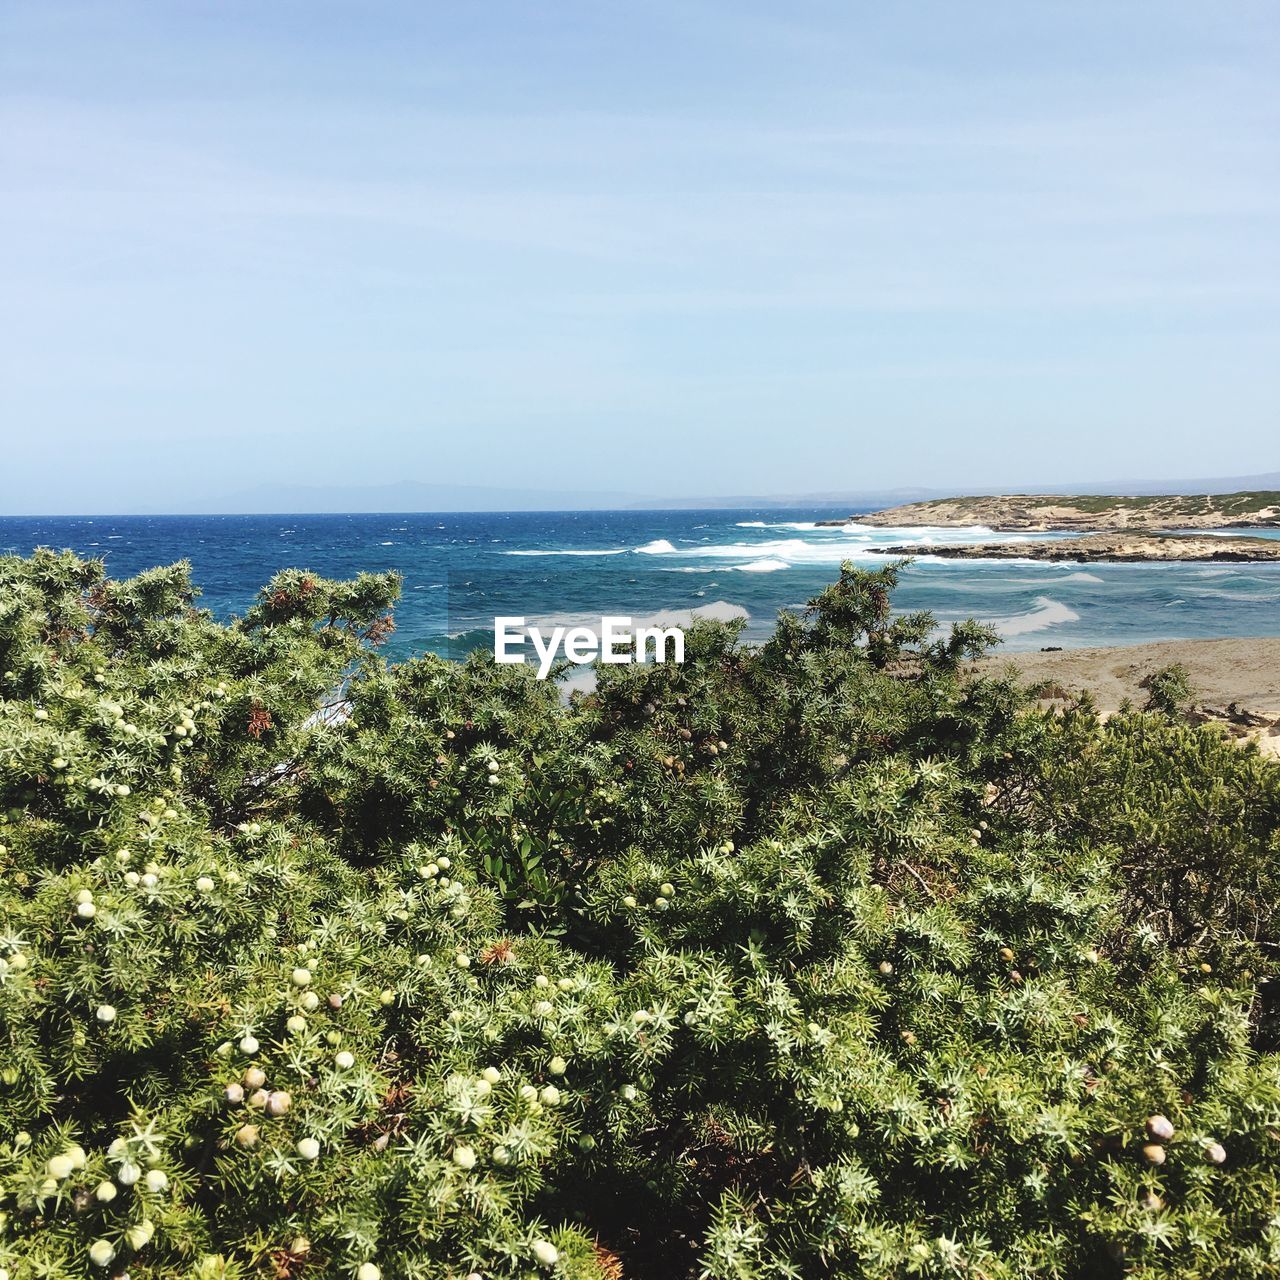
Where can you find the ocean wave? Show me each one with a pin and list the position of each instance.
(1047, 613)
(790, 550)
(1066, 577)
(826, 549)
(802, 526)
(1006, 562)
(716, 611)
(829, 549)
(617, 551)
(762, 566)
(1217, 594)
(956, 530)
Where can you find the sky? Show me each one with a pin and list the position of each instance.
(665, 248)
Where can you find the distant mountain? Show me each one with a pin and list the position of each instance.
(751, 502)
(411, 496)
(405, 496)
(1269, 482)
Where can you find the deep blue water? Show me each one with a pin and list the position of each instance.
(461, 570)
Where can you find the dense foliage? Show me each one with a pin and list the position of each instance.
(820, 959)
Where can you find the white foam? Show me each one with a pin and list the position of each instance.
(1018, 562)
(578, 679)
(789, 550)
(830, 547)
(1214, 593)
(1066, 577)
(958, 531)
(716, 611)
(762, 566)
(833, 545)
(1047, 613)
(803, 526)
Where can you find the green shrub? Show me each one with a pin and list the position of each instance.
(1170, 691)
(811, 960)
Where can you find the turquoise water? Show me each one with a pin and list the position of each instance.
(461, 570)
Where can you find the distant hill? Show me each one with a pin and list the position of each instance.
(415, 496)
(756, 501)
(406, 496)
(411, 496)
(1268, 481)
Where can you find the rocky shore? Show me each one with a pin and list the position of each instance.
(1103, 547)
(1041, 513)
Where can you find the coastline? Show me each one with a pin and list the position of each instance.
(1236, 680)
(1046, 513)
(1107, 547)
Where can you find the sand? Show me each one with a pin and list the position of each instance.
(1236, 681)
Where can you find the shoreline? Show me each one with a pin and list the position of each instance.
(1102, 548)
(1236, 680)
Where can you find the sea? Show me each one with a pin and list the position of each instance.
(461, 570)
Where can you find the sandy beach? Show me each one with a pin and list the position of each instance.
(1236, 681)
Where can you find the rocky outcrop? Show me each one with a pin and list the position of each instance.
(1104, 546)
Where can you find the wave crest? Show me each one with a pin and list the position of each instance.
(1047, 613)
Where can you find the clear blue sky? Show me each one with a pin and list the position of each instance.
(675, 248)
